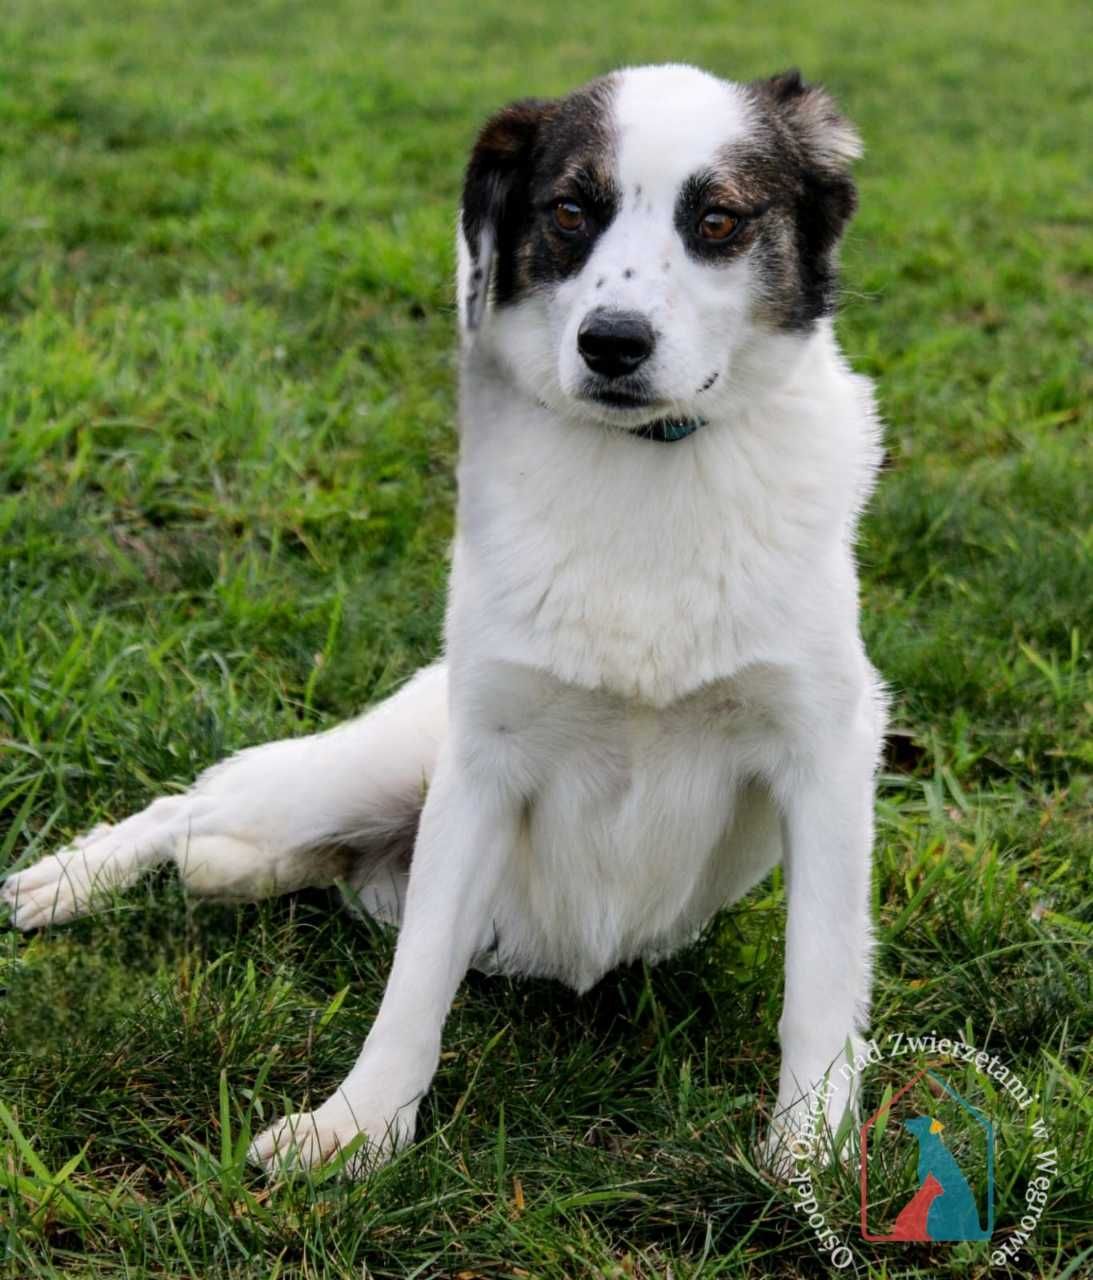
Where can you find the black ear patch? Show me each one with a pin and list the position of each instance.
(495, 195)
(786, 84)
(829, 142)
(529, 156)
(813, 136)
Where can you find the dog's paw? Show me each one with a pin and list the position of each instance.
(789, 1148)
(62, 886)
(312, 1138)
(805, 1136)
(73, 881)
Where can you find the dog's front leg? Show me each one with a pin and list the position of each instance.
(466, 832)
(827, 803)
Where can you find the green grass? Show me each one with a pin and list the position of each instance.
(226, 446)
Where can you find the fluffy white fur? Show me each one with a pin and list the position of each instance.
(654, 686)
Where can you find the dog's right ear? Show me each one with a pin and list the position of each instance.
(495, 194)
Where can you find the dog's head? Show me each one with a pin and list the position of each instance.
(620, 245)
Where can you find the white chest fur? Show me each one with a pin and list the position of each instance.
(652, 569)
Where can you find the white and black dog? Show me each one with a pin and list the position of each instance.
(654, 687)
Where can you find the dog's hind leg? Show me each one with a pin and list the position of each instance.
(302, 812)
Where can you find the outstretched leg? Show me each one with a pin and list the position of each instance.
(302, 812)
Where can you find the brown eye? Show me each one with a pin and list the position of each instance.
(716, 224)
(569, 215)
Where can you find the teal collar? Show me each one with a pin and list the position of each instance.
(663, 431)
(668, 430)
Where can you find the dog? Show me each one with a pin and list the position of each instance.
(654, 687)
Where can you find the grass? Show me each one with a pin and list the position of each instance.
(226, 446)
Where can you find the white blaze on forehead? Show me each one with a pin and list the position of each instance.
(670, 123)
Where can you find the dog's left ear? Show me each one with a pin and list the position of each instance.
(828, 145)
(495, 193)
(829, 141)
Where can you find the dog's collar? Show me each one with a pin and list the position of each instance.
(663, 431)
(668, 430)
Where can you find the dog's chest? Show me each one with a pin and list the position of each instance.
(639, 569)
(626, 810)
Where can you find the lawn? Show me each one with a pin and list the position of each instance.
(226, 448)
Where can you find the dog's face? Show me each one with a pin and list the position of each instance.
(620, 245)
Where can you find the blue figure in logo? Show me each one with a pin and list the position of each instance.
(943, 1207)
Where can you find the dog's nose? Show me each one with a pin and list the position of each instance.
(615, 342)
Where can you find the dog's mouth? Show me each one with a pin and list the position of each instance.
(634, 410)
(621, 397)
(633, 393)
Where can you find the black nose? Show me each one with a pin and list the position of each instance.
(615, 342)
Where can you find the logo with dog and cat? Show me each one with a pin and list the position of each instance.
(926, 1165)
(925, 1152)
